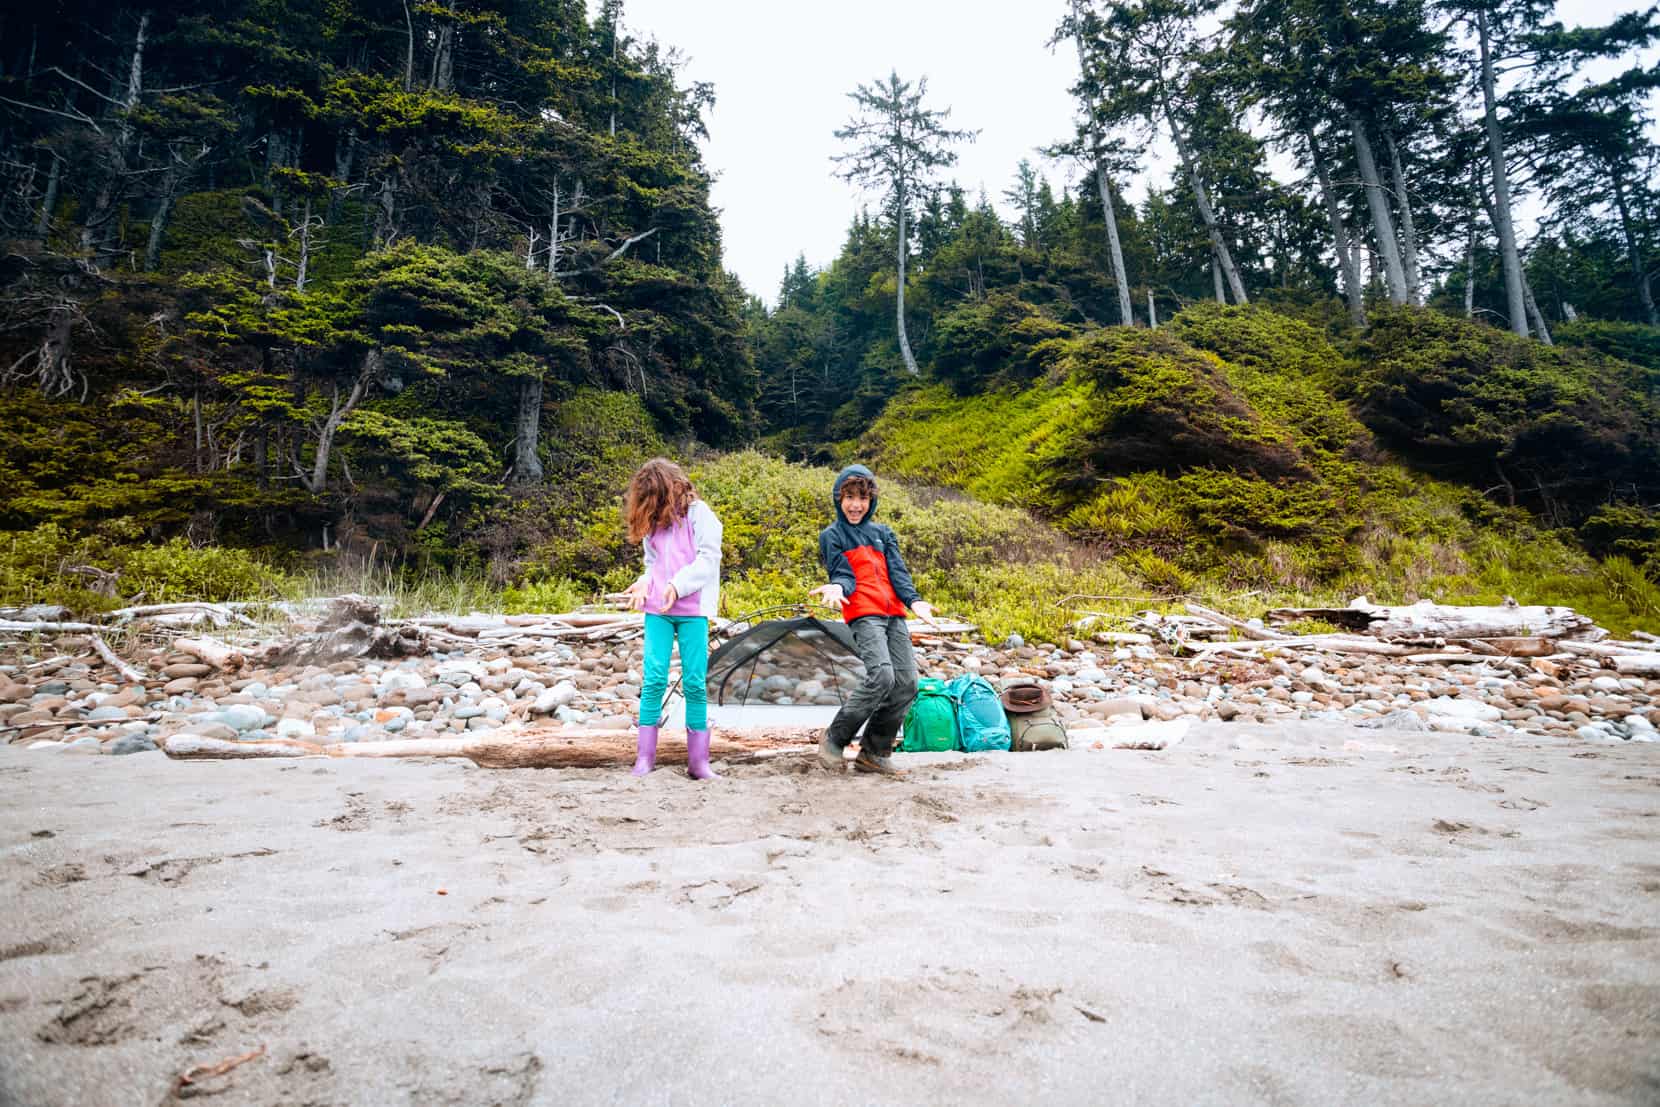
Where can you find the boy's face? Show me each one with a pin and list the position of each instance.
(855, 504)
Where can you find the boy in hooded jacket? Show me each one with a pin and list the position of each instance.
(871, 587)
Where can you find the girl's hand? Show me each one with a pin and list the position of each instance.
(636, 594)
(669, 596)
(925, 611)
(830, 595)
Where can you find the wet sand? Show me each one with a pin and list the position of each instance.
(1286, 915)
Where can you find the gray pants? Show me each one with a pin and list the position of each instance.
(884, 645)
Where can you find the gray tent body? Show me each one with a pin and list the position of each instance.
(799, 661)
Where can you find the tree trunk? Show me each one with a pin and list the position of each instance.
(553, 231)
(899, 311)
(527, 467)
(43, 227)
(1126, 314)
(385, 209)
(1470, 269)
(1533, 312)
(305, 247)
(409, 56)
(1409, 234)
(1383, 224)
(1508, 253)
(1152, 312)
(443, 59)
(1639, 268)
(1339, 234)
(1216, 281)
(1202, 199)
(158, 221)
(318, 478)
(344, 153)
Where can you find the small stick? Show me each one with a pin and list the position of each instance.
(190, 1075)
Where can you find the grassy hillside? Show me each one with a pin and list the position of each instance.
(1234, 455)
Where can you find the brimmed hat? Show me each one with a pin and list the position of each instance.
(1024, 697)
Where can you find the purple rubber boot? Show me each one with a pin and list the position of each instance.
(646, 756)
(697, 756)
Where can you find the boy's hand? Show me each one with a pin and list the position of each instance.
(669, 596)
(925, 611)
(830, 595)
(636, 594)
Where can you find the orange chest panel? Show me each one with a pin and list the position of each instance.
(874, 594)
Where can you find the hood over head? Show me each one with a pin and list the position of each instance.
(836, 492)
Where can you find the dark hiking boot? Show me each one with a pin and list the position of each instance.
(871, 763)
(830, 755)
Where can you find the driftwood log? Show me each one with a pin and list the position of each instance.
(1433, 620)
(540, 748)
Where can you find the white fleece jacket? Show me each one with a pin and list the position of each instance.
(702, 574)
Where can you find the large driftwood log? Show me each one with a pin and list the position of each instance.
(1637, 664)
(539, 748)
(1432, 620)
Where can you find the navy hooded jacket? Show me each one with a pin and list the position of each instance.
(864, 559)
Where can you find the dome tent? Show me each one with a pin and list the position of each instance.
(796, 661)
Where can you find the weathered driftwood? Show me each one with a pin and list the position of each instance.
(128, 673)
(73, 723)
(1508, 647)
(1331, 643)
(211, 651)
(1240, 625)
(183, 614)
(18, 626)
(550, 748)
(351, 629)
(1637, 664)
(1590, 649)
(1432, 620)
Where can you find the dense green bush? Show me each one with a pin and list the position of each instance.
(1553, 428)
(1637, 343)
(991, 342)
(1625, 530)
(42, 566)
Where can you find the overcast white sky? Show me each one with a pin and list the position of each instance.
(782, 70)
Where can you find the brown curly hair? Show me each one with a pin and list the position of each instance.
(658, 495)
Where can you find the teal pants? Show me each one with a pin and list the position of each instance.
(662, 632)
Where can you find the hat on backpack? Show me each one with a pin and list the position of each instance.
(1025, 697)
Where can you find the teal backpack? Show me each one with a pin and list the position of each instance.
(931, 723)
(981, 724)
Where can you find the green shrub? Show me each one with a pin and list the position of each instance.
(1627, 531)
(1637, 343)
(176, 570)
(542, 597)
(38, 566)
(993, 339)
(1550, 427)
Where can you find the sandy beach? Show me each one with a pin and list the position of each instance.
(1298, 914)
